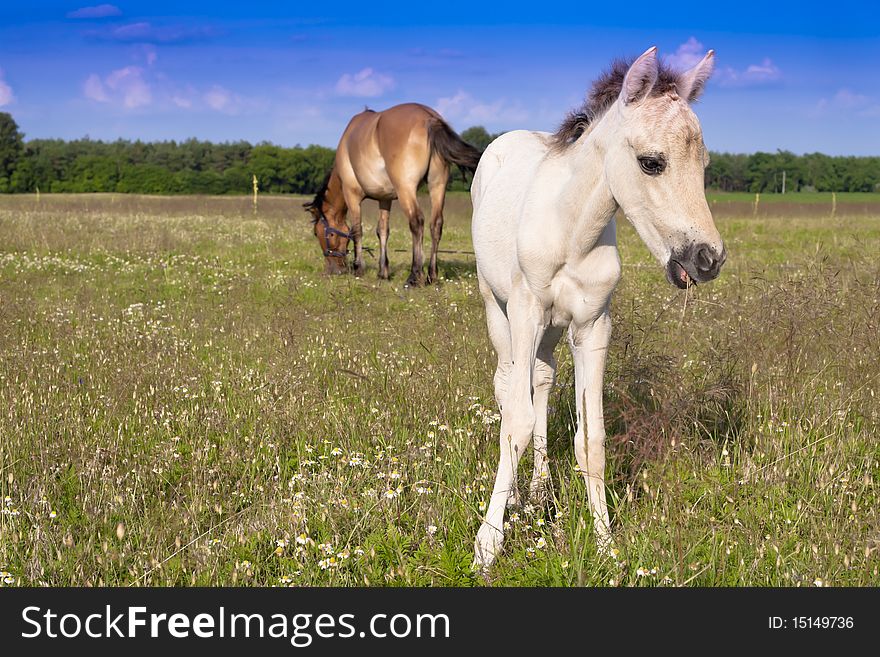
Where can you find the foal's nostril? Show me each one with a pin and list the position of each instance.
(705, 258)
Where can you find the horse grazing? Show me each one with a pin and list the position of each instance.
(384, 156)
(546, 248)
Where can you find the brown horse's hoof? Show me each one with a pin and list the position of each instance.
(415, 281)
(358, 271)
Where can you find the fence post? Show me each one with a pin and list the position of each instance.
(256, 193)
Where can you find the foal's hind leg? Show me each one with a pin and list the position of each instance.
(410, 205)
(438, 176)
(543, 377)
(383, 228)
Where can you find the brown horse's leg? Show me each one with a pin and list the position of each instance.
(383, 228)
(354, 200)
(410, 205)
(438, 176)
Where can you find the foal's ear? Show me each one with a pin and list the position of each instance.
(691, 84)
(640, 78)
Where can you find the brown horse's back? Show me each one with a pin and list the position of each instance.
(407, 124)
(381, 152)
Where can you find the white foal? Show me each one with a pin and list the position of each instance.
(545, 241)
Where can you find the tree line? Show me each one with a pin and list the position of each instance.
(201, 167)
(785, 171)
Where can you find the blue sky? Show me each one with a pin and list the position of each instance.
(789, 75)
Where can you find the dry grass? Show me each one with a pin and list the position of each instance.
(185, 399)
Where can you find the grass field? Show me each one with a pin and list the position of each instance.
(186, 400)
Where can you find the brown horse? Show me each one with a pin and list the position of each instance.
(384, 156)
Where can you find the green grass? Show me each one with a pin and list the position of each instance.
(186, 400)
(796, 197)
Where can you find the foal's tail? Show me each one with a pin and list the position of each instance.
(451, 147)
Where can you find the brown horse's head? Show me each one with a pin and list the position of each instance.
(328, 218)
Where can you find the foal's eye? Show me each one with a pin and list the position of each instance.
(652, 165)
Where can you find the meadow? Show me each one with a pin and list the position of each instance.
(186, 400)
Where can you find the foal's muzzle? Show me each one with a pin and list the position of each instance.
(697, 263)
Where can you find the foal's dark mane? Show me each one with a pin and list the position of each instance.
(602, 95)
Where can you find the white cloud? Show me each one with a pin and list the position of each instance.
(687, 55)
(98, 11)
(6, 95)
(125, 87)
(218, 98)
(182, 101)
(846, 101)
(754, 75)
(465, 110)
(764, 71)
(133, 87)
(146, 32)
(364, 84)
(93, 89)
(221, 99)
(146, 87)
(849, 100)
(130, 84)
(133, 31)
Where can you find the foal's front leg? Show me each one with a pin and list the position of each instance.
(589, 345)
(517, 422)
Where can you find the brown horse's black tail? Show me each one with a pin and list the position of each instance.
(451, 147)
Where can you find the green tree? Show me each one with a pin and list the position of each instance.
(201, 167)
(11, 146)
(93, 173)
(478, 137)
(147, 179)
(237, 179)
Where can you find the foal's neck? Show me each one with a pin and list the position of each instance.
(586, 198)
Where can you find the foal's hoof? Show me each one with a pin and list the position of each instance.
(538, 494)
(486, 548)
(605, 546)
(538, 488)
(513, 500)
